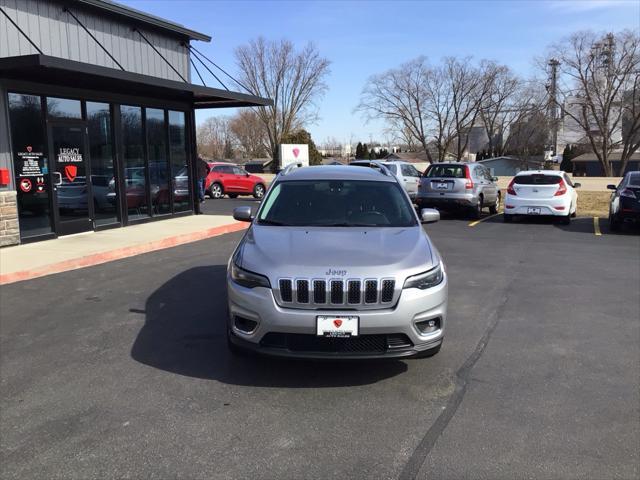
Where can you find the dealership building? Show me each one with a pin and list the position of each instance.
(97, 117)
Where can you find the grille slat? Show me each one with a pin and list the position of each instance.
(370, 291)
(319, 291)
(388, 286)
(353, 291)
(302, 287)
(337, 296)
(286, 292)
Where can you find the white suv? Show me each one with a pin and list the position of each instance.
(541, 192)
(408, 176)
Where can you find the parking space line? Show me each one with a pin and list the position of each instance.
(596, 226)
(474, 223)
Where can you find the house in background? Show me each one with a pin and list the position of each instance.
(509, 166)
(588, 165)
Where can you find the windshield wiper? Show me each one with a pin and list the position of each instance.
(272, 222)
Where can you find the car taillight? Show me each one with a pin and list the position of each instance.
(627, 192)
(510, 189)
(467, 174)
(562, 189)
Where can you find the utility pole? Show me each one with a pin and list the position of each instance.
(553, 107)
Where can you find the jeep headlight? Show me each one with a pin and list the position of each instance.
(248, 279)
(425, 280)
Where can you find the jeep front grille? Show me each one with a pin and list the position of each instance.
(350, 293)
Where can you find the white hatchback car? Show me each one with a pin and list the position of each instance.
(541, 192)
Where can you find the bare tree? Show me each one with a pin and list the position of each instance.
(599, 89)
(249, 133)
(294, 80)
(469, 87)
(213, 135)
(528, 135)
(509, 102)
(398, 96)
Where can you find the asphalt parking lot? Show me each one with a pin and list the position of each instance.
(121, 370)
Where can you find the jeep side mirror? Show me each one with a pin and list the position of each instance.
(429, 215)
(611, 187)
(242, 214)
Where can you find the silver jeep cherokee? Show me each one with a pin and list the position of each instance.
(336, 264)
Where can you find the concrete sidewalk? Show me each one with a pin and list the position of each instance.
(32, 260)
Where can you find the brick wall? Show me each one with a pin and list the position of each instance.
(9, 230)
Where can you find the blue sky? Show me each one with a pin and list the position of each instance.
(363, 38)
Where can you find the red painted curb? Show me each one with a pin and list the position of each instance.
(104, 257)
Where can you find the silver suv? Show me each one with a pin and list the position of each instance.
(459, 186)
(336, 264)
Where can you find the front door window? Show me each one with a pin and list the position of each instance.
(73, 188)
(103, 172)
(30, 164)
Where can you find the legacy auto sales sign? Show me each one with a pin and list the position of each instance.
(70, 155)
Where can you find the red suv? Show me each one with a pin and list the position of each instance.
(225, 178)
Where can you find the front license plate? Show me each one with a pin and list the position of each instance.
(534, 210)
(337, 326)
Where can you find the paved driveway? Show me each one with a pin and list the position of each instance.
(121, 370)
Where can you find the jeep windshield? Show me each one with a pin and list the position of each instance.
(336, 203)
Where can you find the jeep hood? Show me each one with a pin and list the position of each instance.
(313, 252)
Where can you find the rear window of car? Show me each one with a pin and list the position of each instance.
(634, 180)
(537, 179)
(446, 171)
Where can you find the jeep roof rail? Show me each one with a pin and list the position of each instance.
(383, 168)
(290, 167)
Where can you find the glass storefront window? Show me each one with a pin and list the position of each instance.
(63, 108)
(179, 165)
(134, 164)
(30, 164)
(158, 164)
(103, 178)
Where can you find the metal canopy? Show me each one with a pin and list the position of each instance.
(69, 73)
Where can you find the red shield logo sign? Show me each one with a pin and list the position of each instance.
(337, 322)
(29, 148)
(70, 172)
(25, 185)
(296, 152)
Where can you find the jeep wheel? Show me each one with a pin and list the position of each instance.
(258, 191)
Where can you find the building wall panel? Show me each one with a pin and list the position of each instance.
(57, 34)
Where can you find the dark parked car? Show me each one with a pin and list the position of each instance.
(624, 205)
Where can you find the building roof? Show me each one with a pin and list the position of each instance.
(613, 156)
(69, 73)
(116, 9)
